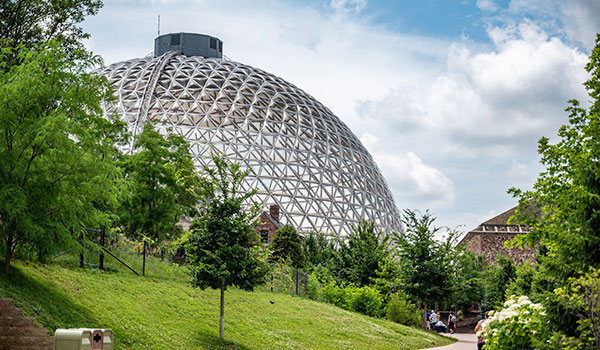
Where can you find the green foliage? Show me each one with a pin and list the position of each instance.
(523, 281)
(360, 254)
(318, 250)
(497, 279)
(57, 169)
(467, 280)
(364, 300)
(221, 244)
(335, 294)
(422, 259)
(400, 310)
(389, 278)
(287, 245)
(582, 296)
(519, 325)
(563, 209)
(162, 185)
(28, 24)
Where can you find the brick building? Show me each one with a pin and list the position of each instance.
(269, 224)
(489, 237)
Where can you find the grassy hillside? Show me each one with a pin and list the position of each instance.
(161, 311)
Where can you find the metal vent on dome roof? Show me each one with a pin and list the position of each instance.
(189, 44)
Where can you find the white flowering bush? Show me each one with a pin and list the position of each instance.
(519, 325)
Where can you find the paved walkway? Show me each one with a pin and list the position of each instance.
(465, 342)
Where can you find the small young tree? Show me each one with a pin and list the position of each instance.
(221, 243)
(422, 259)
(287, 244)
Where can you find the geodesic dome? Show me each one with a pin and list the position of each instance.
(300, 156)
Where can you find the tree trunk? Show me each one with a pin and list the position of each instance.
(9, 251)
(425, 320)
(222, 323)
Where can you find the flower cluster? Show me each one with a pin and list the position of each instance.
(519, 325)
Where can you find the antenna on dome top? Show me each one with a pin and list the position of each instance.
(158, 25)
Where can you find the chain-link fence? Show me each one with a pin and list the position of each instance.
(285, 279)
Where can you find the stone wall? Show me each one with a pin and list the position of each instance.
(490, 244)
(18, 332)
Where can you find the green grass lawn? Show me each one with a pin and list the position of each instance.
(162, 311)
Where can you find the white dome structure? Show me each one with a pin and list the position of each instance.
(299, 154)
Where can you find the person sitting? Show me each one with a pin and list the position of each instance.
(440, 327)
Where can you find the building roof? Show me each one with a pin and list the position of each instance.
(497, 230)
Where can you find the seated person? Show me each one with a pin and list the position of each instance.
(440, 327)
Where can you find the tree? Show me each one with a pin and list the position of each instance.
(57, 169)
(162, 182)
(422, 259)
(288, 245)
(563, 209)
(221, 244)
(318, 250)
(360, 255)
(26, 24)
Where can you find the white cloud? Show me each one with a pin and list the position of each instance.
(582, 20)
(353, 6)
(487, 5)
(415, 183)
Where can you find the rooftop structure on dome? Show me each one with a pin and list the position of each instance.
(189, 44)
(301, 157)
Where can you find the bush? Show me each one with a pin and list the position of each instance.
(364, 300)
(336, 294)
(400, 310)
(519, 325)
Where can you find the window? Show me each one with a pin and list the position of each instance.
(213, 43)
(220, 46)
(264, 236)
(175, 39)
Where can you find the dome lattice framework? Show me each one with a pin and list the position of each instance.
(300, 155)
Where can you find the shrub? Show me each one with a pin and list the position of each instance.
(364, 300)
(519, 325)
(400, 310)
(336, 294)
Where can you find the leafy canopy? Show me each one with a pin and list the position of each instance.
(221, 243)
(162, 185)
(360, 254)
(287, 244)
(57, 170)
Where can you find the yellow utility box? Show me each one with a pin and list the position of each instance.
(102, 339)
(72, 339)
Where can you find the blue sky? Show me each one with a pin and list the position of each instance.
(450, 97)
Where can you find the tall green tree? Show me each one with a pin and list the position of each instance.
(563, 209)
(422, 259)
(57, 169)
(162, 185)
(221, 245)
(318, 249)
(360, 254)
(26, 24)
(287, 245)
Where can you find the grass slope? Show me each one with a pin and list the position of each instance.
(161, 311)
